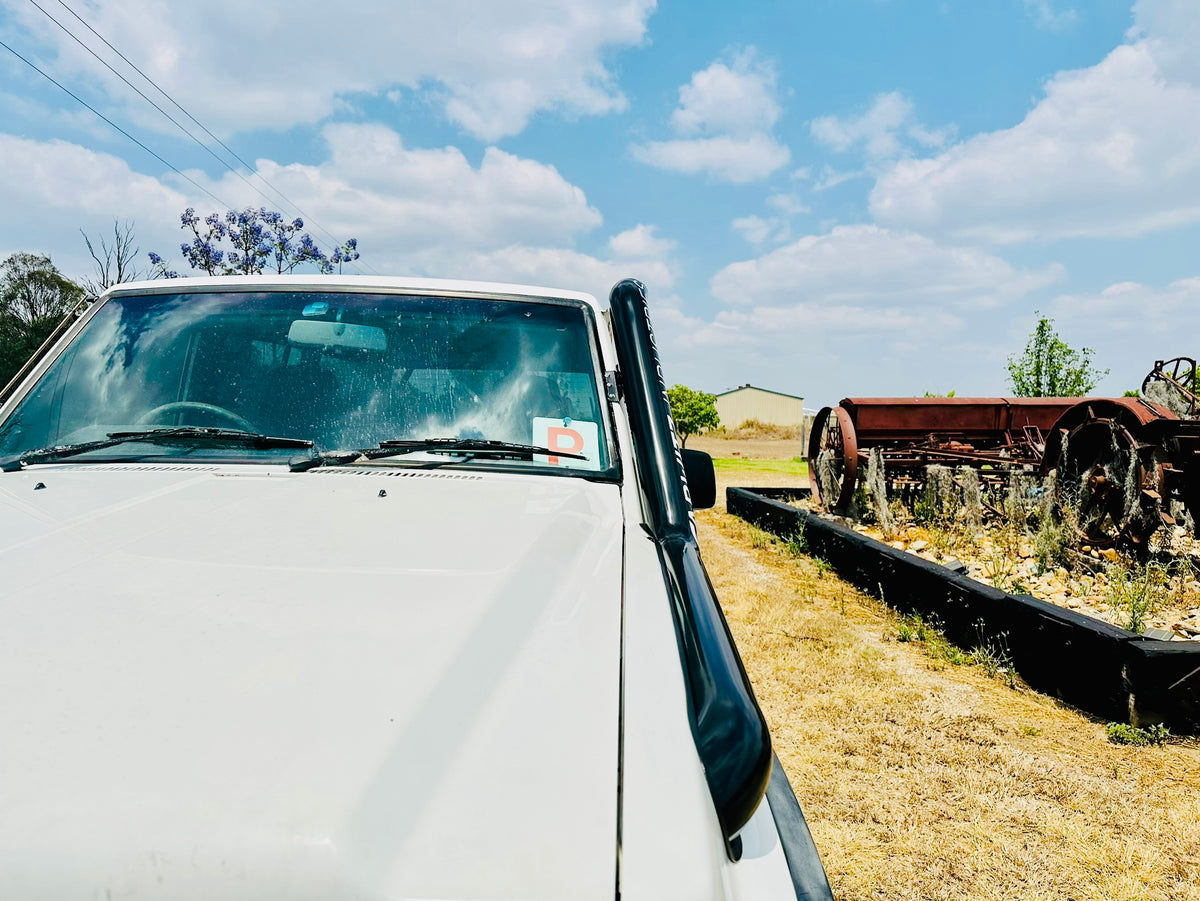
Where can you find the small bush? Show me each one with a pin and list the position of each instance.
(1124, 734)
(1135, 592)
(797, 543)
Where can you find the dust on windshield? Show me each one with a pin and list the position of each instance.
(345, 370)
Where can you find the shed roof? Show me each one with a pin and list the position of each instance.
(756, 388)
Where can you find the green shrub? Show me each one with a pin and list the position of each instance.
(1124, 734)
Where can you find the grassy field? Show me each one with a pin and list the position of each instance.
(926, 778)
(796, 467)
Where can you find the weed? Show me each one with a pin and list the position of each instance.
(1000, 568)
(935, 506)
(995, 663)
(1054, 533)
(913, 628)
(1050, 543)
(942, 541)
(760, 538)
(994, 657)
(797, 543)
(1135, 592)
(1124, 734)
(942, 649)
(1031, 731)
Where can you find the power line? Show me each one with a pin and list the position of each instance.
(251, 169)
(101, 115)
(168, 116)
(172, 100)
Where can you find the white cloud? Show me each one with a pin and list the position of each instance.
(881, 130)
(639, 243)
(754, 229)
(724, 121)
(1130, 325)
(735, 160)
(865, 265)
(61, 187)
(788, 204)
(1171, 28)
(736, 99)
(823, 316)
(1047, 15)
(413, 210)
(275, 65)
(1110, 151)
(1127, 307)
(564, 268)
(777, 228)
(635, 253)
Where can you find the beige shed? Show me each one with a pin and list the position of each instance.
(772, 407)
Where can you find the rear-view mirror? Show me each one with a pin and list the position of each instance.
(322, 333)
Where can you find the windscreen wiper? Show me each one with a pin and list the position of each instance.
(468, 447)
(183, 435)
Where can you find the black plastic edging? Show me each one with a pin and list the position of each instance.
(1110, 672)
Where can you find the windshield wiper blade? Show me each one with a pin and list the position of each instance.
(185, 435)
(468, 447)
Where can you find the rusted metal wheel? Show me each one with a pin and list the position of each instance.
(1109, 484)
(1180, 376)
(833, 459)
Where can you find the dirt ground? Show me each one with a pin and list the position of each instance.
(922, 779)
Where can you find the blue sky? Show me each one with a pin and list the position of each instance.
(827, 198)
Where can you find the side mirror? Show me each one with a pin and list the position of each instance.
(701, 478)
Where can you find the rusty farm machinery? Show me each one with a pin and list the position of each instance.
(1124, 466)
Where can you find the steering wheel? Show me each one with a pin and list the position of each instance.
(177, 405)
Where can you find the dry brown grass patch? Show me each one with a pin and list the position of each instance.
(923, 780)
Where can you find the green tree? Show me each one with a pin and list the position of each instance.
(692, 411)
(1050, 368)
(34, 297)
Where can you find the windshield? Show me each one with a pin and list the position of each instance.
(344, 370)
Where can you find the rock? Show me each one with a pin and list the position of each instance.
(898, 545)
(1087, 549)
(1061, 572)
(1025, 553)
(1094, 554)
(1073, 603)
(919, 545)
(1110, 555)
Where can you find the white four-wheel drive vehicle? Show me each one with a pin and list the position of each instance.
(347, 588)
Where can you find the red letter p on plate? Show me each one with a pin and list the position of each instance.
(563, 439)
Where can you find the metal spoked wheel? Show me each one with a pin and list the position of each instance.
(833, 459)
(1109, 485)
(1174, 383)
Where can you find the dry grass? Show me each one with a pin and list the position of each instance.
(752, 428)
(754, 448)
(925, 780)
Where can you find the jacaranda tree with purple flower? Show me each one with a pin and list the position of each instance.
(249, 242)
